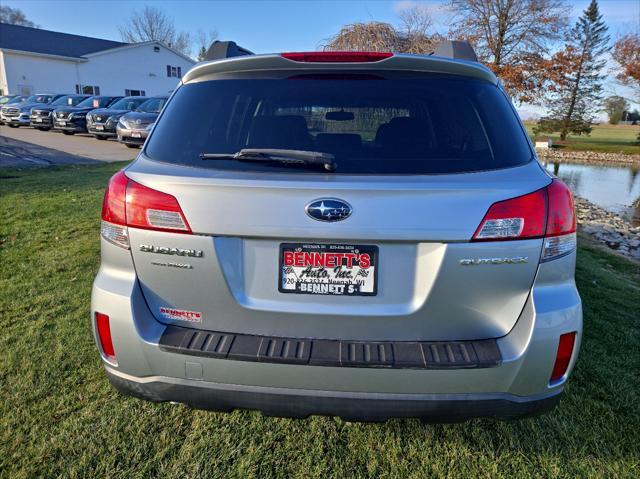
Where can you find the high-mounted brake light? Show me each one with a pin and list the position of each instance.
(563, 356)
(127, 203)
(337, 57)
(547, 213)
(103, 329)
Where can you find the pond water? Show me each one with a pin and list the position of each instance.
(614, 188)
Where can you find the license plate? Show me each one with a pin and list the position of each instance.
(62, 122)
(328, 269)
(99, 127)
(38, 120)
(135, 135)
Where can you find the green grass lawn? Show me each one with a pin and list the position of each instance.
(603, 138)
(60, 418)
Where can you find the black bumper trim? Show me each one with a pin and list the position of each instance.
(322, 352)
(357, 408)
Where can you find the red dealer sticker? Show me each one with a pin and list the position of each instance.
(329, 269)
(170, 313)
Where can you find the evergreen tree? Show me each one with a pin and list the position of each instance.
(577, 76)
(202, 54)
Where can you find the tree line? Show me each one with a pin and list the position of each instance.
(528, 44)
(147, 24)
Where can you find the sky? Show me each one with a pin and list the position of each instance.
(265, 26)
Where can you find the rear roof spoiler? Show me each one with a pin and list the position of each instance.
(219, 50)
(456, 49)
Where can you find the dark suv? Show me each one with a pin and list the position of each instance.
(72, 119)
(40, 117)
(134, 127)
(102, 122)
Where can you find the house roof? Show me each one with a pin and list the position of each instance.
(46, 42)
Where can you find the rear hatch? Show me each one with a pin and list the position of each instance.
(420, 160)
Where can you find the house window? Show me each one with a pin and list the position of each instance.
(128, 92)
(174, 71)
(89, 90)
(156, 49)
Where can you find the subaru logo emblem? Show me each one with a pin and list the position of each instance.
(328, 209)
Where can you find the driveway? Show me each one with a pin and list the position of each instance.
(37, 145)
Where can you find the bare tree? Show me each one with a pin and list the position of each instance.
(512, 37)
(152, 24)
(15, 16)
(371, 36)
(414, 31)
(412, 36)
(204, 41)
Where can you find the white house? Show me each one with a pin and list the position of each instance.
(41, 61)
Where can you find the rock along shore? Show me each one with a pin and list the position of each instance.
(591, 157)
(608, 228)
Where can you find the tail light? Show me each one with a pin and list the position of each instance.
(127, 203)
(547, 213)
(561, 222)
(563, 356)
(517, 218)
(337, 57)
(103, 329)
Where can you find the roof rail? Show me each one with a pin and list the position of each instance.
(456, 49)
(219, 50)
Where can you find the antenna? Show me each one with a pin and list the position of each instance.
(456, 49)
(219, 50)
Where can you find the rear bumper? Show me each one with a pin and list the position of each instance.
(518, 385)
(349, 406)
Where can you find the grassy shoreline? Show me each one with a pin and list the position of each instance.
(60, 418)
(604, 138)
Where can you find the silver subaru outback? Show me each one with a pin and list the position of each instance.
(366, 235)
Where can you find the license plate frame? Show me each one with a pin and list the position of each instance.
(363, 270)
(136, 134)
(99, 127)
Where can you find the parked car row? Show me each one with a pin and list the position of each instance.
(129, 119)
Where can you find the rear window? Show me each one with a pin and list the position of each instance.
(371, 124)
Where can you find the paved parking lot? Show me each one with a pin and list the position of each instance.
(79, 146)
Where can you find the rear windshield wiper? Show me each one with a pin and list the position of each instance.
(294, 157)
